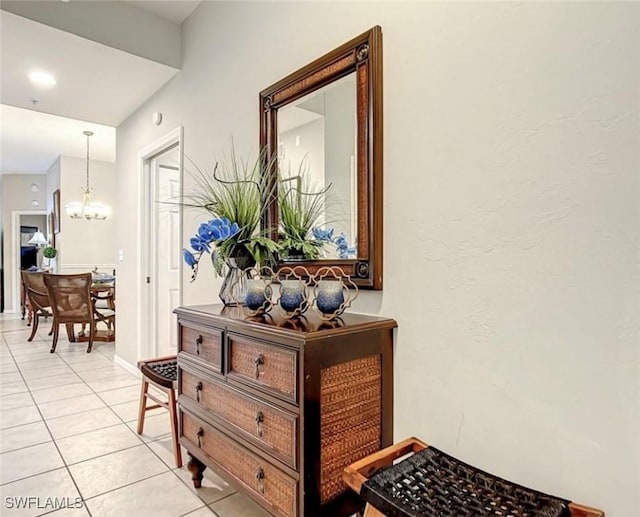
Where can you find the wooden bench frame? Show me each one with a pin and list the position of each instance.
(357, 473)
(169, 404)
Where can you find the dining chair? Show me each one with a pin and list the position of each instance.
(103, 293)
(36, 293)
(71, 303)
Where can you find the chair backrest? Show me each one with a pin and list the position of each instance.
(36, 290)
(70, 297)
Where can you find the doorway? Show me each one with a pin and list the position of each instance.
(162, 262)
(24, 223)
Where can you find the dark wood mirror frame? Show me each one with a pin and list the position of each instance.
(362, 55)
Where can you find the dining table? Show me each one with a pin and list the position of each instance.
(103, 292)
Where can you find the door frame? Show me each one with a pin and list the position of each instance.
(147, 346)
(15, 255)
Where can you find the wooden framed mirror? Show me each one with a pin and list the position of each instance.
(326, 120)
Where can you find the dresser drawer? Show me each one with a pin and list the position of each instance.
(202, 343)
(271, 486)
(269, 428)
(269, 367)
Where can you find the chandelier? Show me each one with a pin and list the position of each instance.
(86, 208)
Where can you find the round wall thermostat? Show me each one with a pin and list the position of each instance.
(156, 118)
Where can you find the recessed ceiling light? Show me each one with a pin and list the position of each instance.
(43, 79)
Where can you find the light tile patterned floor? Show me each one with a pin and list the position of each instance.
(68, 435)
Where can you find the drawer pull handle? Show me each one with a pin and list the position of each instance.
(200, 434)
(258, 361)
(198, 390)
(260, 479)
(198, 343)
(259, 420)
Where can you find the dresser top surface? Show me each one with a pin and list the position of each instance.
(308, 324)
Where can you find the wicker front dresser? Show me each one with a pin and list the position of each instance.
(279, 408)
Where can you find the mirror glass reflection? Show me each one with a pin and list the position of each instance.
(317, 147)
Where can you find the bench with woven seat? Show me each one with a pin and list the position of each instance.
(429, 482)
(163, 374)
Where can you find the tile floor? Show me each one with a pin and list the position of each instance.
(68, 437)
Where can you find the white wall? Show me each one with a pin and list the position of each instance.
(511, 216)
(16, 195)
(53, 184)
(83, 245)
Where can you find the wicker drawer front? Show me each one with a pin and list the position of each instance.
(272, 429)
(265, 481)
(269, 367)
(205, 345)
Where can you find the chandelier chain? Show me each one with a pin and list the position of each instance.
(89, 135)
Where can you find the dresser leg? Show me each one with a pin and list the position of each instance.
(196, 467)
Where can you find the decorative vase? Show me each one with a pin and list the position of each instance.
(329, 296)
(257, 297)
(294, 299)
(334, 292)
(234, 285)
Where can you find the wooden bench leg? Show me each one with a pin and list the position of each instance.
(370, 511)
(143, 405)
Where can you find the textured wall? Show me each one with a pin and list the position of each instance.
(511, 216)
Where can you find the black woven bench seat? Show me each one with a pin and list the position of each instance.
(433, 484)
(164, 372)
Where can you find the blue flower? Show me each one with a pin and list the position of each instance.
(189, 258)
(210, 233)
(198, 244)
(205, 232)
(323, 235)
(342, 245)
(217, 230)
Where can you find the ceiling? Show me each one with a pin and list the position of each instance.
(176, 12)
(97, 88)
(31, 141)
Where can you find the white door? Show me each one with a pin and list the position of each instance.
(165, 246)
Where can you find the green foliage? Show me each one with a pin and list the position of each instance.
(240, 191)
(49, 252)
(301, 208)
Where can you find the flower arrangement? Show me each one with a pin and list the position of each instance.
(236, 194)
(343, 249)
(301, 207)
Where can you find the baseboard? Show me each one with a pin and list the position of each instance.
(126, 365)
